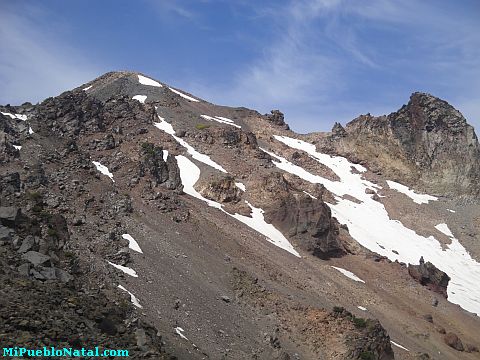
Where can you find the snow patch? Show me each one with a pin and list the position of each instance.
(398, 345)
(388, 234)
(362, 308)
(349, 274)
(103, 169)
(241, 186)
(87, 88)
(179, 331)
(30, 131)
(125, 269)
(15, 116)
(190, 173)
(452, 211)
(167, 127)
(147, 81)
(417, 198)
(132, 244)
(443, 228)
(220, 119)
(184, 95)
(165, 155)
(313, 197)
(140, 98)
(18, 147)
(133, 299)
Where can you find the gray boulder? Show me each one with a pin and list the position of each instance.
(9, 215)
(36, 258)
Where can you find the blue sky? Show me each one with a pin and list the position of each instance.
(318, 61)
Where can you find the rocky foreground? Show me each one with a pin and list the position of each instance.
(105, 242)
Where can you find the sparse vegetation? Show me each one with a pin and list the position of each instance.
(367, 355)
(37, 209)
(202, 126)
(338, 309)
(359, 322)
(52, 232)
(148, 148)
(34, 196)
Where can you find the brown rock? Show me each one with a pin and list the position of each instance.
(428, 275)
(453, 341)
(471, 348)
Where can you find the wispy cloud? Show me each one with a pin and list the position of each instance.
(324, 49)
(33, 62)
(167, 8)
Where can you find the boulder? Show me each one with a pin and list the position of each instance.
(453, 341)
(63, 276)
(27, 244)
(222, 190)
(9, 215)
(5, 233)
(36, 258)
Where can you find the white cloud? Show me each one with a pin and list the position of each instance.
(34, 63)
(329, 54)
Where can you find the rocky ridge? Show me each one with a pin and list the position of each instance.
(73, 218)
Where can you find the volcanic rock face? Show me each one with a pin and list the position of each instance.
(428, 275)
(309, 221)
(161, 171)
(426, 144)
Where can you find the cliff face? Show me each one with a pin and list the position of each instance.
(426, 144)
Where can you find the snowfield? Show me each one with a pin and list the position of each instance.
(167, 127)
(140, 98)
(185, 96)
(147, 81)
(133, 299)
(103, 169)
(417, 198)
(369, 224)
(190, 173)
(222, 120)
(349, 274)
(132, 244)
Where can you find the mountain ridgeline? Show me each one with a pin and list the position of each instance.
(135, 215)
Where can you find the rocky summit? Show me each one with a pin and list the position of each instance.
(134, 215)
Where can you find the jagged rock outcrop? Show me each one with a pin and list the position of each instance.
(309, 221)
(276, 117)
(427, 144)
(160, 170)
(428, 275)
